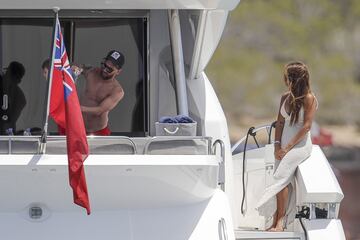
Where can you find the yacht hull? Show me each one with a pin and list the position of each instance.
(114, 182)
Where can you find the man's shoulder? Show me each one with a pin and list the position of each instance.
(117, 86)
(93, 70)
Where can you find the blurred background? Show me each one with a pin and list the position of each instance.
(247, 74)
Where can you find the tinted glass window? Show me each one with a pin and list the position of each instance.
(24, 44)
(93, 40)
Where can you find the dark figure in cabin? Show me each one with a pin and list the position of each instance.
(13, 98)
(45, 67)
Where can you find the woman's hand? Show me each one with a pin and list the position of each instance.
(280, 153)
(277, 153)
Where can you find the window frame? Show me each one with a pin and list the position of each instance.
(67, 15)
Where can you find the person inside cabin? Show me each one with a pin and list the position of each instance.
(3, 113)
(13, 97)
(102, 92)
(45, 66)
(292, 144)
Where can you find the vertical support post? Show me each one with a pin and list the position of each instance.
(178, 60)
(200, 33)
(42, 147)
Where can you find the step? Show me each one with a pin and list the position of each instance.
(239, 234)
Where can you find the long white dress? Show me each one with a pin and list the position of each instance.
(285, 169)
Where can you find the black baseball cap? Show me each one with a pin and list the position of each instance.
(116, 57)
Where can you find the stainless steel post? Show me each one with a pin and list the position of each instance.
(178, 60)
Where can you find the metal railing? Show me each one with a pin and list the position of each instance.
(105, 140)
(252, 131)
(177, 138)
(221, 180)
(31, 144)
(222, 229)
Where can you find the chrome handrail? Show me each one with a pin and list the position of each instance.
(22, 138)
(19, 137)
(255, 130)
(221, 180)
(63, 138)
(132, 143)
(222, 229)
(174, 138)
(222, 148)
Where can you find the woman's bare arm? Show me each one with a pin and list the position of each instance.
(279, 126)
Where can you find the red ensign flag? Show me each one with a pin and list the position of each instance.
(66, 112)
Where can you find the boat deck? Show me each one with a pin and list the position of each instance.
(267, 235)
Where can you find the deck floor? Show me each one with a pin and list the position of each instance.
(267, 235)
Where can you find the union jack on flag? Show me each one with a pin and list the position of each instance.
(66, 112)
(62, 70)
(61, 62)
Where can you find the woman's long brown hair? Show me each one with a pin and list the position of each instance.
(296, 74)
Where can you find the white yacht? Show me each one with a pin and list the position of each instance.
(141, 185)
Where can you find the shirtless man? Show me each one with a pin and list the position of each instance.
(102, 93)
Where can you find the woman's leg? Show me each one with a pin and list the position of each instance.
(281, 202)
(274, 219)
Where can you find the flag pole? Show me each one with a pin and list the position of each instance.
(50, 78)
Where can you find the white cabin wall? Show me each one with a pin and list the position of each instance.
(199, 44)
(203, 101)
(201, 31)
(211, 27)
(204, 106)
(162, 91)
(189, 27)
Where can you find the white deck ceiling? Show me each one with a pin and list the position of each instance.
(120, 4)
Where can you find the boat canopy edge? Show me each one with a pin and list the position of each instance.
(119, 4)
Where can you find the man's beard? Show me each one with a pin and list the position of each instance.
(106, 76)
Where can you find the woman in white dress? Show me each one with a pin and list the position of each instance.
(292, 143)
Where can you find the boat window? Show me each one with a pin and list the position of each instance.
(93, 40)
(26, 43)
